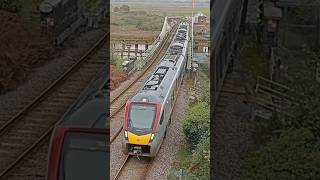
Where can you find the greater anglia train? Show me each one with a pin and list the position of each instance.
(78, 147)
(148, 112)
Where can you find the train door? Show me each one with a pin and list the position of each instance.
(162, 125)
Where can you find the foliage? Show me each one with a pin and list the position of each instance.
(307, 114)
(197, 123)
(203, 88)
(117, 62)
(194, 163)
(303, 14)
(116, 9)
(200, 166)
(290, 156)
(10, 5)
(140, 20)
(124, 9)
(254, 62)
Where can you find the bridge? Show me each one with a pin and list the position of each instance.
(141, 49)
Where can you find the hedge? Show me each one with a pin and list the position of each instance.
(197, 123)
(292, 155)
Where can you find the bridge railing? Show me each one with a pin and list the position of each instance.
(155, 44)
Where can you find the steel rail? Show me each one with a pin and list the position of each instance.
(39, 99)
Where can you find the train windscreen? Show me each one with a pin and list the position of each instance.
(84, 157)
(141, 117)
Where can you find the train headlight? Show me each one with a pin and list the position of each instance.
(126, 135)
(152, 137)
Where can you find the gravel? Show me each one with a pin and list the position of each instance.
(164, 161)
(41, 77)
(231, 132)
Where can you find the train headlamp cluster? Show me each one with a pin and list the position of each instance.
(126, 134)
(152, 137)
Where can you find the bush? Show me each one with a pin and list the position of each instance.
(290, 156)
(10, 5)
(200, 166)
(116, 9)
(197, 123)
(125, 8)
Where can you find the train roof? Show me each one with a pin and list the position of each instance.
(91, 109)
(157, 86)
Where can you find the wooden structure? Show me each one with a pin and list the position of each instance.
(274, 98)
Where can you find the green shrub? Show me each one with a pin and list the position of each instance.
(201, 160)
(290, 156)
(197, 123)
(10, 5)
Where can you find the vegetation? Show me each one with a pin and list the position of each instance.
(117, 62)
(10, 5)
(291, 156)
(138, 20)
(307, 114)
(303, 14)
(290, 149)
(254, 62)
(194, 157)
(197, 123)
(122, 9)
(167, 9)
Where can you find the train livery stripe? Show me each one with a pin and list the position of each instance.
(157, 118)
(139, 140)
(126, 115)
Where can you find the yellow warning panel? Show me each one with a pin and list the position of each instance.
(139, 140)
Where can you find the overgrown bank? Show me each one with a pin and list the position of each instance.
(193, 159)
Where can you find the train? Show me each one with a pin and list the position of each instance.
(79, 147)
(61, 18)
(226, 19)
(148, 112)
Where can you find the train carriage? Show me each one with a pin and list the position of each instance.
(148, 112)
(78, 148)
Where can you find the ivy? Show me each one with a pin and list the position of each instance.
(197, 123)
(290, 156)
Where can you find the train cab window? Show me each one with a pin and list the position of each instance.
(141, 117)
(84, 151)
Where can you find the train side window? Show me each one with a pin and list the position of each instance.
(161, 119)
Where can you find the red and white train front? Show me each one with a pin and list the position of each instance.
(141, 128)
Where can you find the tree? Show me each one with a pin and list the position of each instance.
(125, 8)
(116, 9)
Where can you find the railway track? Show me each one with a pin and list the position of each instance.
(118, 102)
(130, 164)
(139, 166)
(32, 126)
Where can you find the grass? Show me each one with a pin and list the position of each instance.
(174, 9)
(184, 158)
(92, 5)
(137, 20)
(29, 11)
(254, 61)
(117, 62)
